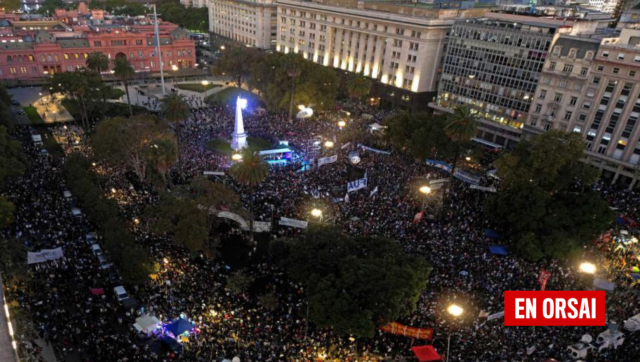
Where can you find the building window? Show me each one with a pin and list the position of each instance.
(568, 68)
(582, 117)
(97, 43)
(562, 84)
(621, 56)
(573, 101)
(552, 66)
(567, 115)
(616, 70)
(584, 71)
(586, 105)
(600, 68)
(605, 54)
(632, 73)
(66, 56)
(138, 41)
(596, 80)
(543, 94)
(558, 97)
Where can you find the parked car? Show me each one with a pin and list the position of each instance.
(120, 293)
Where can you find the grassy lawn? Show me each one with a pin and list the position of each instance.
(196, 87)
(34, 116)
(224, 147)
(115, 93)
(229, 95)
(108, 111)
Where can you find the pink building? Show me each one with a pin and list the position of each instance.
(32, 49)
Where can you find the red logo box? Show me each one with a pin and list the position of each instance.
(554, 308)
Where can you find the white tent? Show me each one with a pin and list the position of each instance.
(146, 324)
(376, 127)
(37, 139)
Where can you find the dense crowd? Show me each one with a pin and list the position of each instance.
(85, 326)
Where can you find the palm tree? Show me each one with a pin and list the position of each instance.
(250, 172)
(175, 110)
(461, 127)
(123, 70)
(163, 154)
(358, 85)
(97, 62)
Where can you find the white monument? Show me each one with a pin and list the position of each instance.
(239, 140)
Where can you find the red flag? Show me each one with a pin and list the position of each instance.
(418, 217)
(97, 291)
(542, 278)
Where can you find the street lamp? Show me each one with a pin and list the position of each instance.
(456, 311)
(236, 157)
(587, 268)
(468, 158)
(205, 83)
(316, 213)
(341, 124)
(426, 190)
(222, 47)
(328, 144)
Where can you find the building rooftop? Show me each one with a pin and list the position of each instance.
(583, 45)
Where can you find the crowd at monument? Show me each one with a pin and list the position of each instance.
(82, 325)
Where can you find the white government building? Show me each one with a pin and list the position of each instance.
(399, 45)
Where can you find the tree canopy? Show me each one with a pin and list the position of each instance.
(128, 141)
(353, 284)
(544, 202)
(422, 135)
(186, 213)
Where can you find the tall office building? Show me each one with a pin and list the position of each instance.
(591, 87)
(252, 22)
(493, 65)
(400, 46)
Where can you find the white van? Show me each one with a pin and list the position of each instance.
(120, 293)
(95, 249)
(580, 350)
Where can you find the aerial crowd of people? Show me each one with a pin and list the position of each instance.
(81, 324)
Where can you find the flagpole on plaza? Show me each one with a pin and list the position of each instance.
(155, 25)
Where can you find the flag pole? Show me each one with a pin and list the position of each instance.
(158, 52)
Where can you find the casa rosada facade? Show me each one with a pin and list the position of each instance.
(38, 49)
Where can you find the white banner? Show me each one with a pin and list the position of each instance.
(345, 145)
(495, 316)
(44, 255)
(213, 173)
(300, 224)
(327, 160)
(530, 350)
(374, 150)
(483, 188)
(357, 185)
(262, 226)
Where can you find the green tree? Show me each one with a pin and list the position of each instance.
(236, 62)
(250, 172)
(128, 142)
(423, 135)
(268, 301)
(49, 7)
(123, 70)
(163, 154)
(6, 212)
(358, 85)
(174, 108)
(461, 127)
(80, 86)
(187, 213)
(544, 202)
(11, 157)
(10, 5)
(97, 62)
(353, 284)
